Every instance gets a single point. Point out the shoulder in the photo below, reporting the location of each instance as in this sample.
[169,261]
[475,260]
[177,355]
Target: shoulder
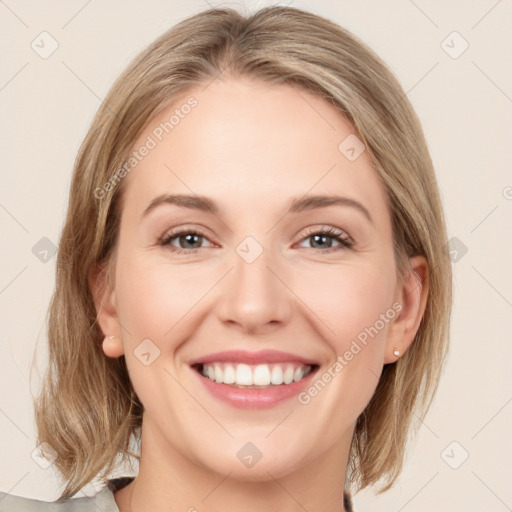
[103,500]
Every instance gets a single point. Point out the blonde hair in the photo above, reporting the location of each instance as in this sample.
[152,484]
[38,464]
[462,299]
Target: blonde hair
[87,409]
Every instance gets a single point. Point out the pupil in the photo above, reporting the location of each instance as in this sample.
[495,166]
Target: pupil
[189,238]
[319,237]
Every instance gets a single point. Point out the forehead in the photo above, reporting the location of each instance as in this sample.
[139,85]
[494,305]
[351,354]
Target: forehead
[248,144]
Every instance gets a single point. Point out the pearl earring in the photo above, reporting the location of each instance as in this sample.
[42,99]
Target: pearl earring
[396,352]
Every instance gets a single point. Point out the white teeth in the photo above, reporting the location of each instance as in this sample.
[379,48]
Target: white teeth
[243,375]
[288,375]
[229,374]
[261,376]
[277,375]
[258,375]
[299,373]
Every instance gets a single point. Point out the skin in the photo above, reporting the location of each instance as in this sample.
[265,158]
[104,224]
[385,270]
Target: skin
[252,147]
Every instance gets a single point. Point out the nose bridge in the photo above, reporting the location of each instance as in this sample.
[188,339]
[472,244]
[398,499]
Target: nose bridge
[255,295]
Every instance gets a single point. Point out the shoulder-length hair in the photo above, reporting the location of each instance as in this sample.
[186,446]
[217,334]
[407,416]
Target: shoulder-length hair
[87,409]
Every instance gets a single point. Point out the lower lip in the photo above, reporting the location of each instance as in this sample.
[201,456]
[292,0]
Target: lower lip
[251,398]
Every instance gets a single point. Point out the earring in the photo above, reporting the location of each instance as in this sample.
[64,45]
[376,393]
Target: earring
[108,340]
[112,346]
[396,352]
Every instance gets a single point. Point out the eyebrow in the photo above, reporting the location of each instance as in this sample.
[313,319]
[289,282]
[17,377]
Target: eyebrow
[297,205]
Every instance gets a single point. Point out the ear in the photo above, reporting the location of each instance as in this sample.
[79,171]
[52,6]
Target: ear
[104,296]
[412,295]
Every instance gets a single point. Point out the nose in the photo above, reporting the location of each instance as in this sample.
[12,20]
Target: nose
[255,296]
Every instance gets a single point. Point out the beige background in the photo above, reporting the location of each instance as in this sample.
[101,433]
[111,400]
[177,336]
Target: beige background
[465,105]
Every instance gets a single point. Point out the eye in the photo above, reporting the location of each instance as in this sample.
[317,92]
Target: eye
[324,236]
[190,239]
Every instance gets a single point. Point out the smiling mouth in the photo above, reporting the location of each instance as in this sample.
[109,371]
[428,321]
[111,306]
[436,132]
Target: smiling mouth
[258,376]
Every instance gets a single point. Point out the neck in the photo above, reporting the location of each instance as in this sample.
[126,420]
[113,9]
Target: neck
[168,481]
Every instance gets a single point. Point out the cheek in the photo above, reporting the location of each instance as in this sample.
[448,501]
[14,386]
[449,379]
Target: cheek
[339,306]
[158,301]
[353,302]
[355,306]
[155,299]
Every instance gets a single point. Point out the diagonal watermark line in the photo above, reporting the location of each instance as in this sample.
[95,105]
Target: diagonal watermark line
[81,80]
[13,279]
[298,92]
[280,423]
[312,187]
[14,218]
[491,80]
[76,14]
[300,300]
[199,403]
[14,76]
[199,300]
[493,287]
[93,502]
[486,14]
[221,220]
[212,6]
[122,327]
[287,492]
[14,424]
[424,14]
[503,407]
[509,508]
[116,320]
[15,485]
[217,486]
[492,211]
[405,94]
[406,503]
[410,410]
[417,83]
[13,13]
[215,77]
[9,345]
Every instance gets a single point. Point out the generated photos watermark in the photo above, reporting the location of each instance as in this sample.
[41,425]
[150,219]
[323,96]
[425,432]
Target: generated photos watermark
[157,135]
[355,348]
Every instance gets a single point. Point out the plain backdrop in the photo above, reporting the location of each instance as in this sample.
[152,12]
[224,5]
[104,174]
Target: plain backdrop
[460,459]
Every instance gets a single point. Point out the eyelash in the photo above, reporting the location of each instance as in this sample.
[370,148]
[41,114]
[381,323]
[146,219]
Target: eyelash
[338,235]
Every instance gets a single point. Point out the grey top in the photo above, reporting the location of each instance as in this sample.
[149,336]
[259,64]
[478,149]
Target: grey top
[103,501]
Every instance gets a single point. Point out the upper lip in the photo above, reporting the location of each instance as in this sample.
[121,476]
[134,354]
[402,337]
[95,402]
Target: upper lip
[260,357]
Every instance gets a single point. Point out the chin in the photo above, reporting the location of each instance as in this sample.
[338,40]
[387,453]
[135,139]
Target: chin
[259,460]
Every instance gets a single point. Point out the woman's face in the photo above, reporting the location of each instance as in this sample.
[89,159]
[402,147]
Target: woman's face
[258,294]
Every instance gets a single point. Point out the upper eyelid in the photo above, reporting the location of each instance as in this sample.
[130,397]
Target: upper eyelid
[175,232]
[310,230]
[327,229]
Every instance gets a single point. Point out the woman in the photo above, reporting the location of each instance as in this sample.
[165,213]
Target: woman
[274,363]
